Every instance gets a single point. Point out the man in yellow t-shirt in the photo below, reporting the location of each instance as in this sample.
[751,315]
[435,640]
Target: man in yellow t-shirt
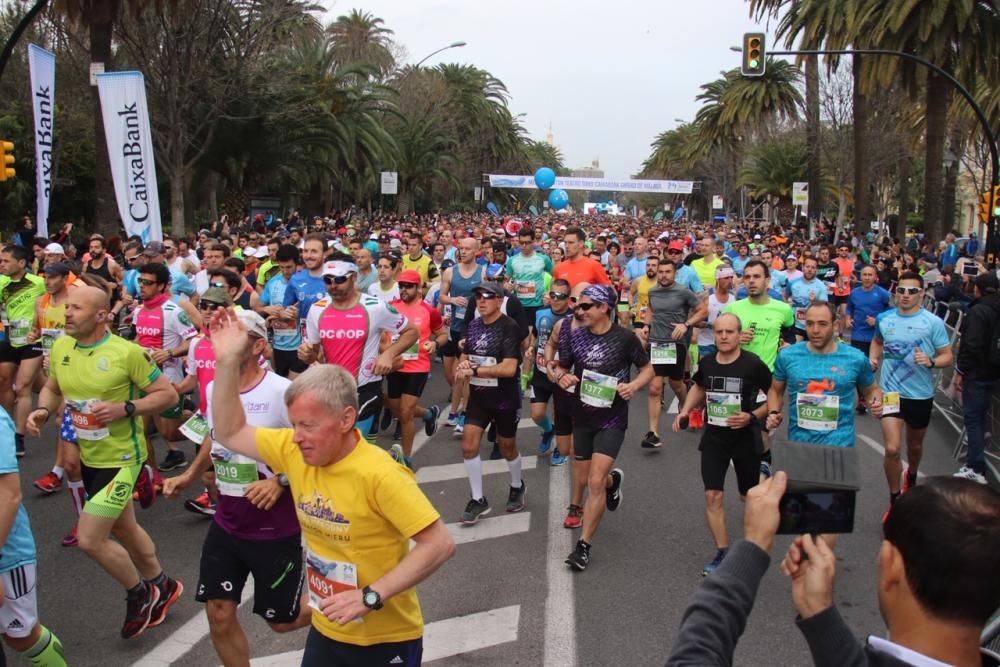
[640,292]
[705,266]
[417,260]
[358,510]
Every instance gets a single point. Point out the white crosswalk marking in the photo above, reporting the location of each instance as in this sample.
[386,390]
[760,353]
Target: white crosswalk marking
[449,471]
[489,528]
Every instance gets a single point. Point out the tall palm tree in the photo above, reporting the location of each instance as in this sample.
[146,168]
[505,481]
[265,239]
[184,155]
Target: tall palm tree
[360,37]
[772,169]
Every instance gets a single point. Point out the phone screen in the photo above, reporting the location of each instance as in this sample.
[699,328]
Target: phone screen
[970,270]
[816,512]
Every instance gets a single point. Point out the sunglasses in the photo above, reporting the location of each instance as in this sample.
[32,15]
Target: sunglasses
[485,296]
[334,280]
[673,252]
[145,282]
[209,305]
[406,285]
[221,284]
[585,306]
[558,296]
[131,259]
[909,290]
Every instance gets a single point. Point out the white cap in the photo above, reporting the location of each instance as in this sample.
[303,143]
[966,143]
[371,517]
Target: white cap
[253,322]
[395,243]
[54,249]
[262,252]
[338,268]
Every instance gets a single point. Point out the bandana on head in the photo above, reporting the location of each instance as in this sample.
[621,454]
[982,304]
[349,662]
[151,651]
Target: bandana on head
[602,294]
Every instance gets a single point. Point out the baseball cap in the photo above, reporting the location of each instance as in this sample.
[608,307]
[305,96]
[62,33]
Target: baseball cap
[988,283]
[56,269]
[153,248]
[675,245]
[756,236]
[724,272]
[54,249]
[395,243]
[490,288]
[338,268]
[253,322]
[217,295]
[410,276]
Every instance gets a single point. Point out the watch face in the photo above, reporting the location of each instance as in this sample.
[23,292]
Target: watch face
[371,598]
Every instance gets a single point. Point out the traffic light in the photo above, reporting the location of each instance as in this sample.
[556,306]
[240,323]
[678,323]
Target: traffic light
[984,207]
[753,54]
[6,161]
[996,201]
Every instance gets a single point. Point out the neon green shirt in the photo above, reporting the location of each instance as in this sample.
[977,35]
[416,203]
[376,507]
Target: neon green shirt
[18,309]
[112,370]
[767,320]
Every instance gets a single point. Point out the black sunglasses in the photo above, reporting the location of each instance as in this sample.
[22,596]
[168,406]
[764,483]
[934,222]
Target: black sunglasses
[406,285]
[585,306]
[558,296]
[208,305]
[146,282]
[221,284]
[335,280]
[131,259]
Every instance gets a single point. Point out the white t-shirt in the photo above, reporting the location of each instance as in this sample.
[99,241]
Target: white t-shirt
[705,334]
[376,290]
[201,281]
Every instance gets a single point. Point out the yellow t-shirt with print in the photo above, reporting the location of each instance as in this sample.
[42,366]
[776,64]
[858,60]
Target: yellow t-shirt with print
[424,266]
[361,511]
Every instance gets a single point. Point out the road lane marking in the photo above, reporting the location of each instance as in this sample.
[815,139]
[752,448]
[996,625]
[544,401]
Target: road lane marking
[442,639]
[449,471]
[560,607]
[881,450]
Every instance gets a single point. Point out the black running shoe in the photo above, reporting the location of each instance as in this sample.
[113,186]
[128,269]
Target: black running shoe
[614,494]
[579,559]
[431,420]
[474,510]
[515,501]
[173,460]
[170,592]
[651,441]
[139,611]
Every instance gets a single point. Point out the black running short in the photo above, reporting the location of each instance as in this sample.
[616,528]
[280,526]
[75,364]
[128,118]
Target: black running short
[450,349]
[541,387]
[411,384]
[369,400]
[839,300]
[590,441]
[321,651]
[15,355]
[276,566]
[286,361]
[562,409]
[673,372]
[915,412]
[863,345]
[530,312]
[477,414]
[715,458]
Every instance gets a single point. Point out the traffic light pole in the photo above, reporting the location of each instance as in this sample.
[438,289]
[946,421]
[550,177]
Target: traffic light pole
[18,31]
[992,237]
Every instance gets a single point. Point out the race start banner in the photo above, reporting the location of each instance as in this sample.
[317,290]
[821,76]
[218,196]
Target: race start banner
[130,149]
[602,184]
[42,71]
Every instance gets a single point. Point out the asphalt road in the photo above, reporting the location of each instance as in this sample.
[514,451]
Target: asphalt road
[506,597]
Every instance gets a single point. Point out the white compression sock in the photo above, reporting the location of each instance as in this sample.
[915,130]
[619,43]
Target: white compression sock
[76,492]
[58,471]
[474,469]
[515,472]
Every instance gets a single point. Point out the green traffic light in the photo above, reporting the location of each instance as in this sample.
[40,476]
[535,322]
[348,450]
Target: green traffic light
[996,212]
[754,64]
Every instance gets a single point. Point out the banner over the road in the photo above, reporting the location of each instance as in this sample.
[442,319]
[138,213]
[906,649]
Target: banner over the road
[604,184]
[42,71]
[130,149]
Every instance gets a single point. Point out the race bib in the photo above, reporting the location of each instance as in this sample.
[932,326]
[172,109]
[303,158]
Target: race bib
[817,412]
[326,577]
[484,362]
[800,314]
[663,354]
[458,312]
[85,424]
[195,429]
[598,390]
[285,331]
[234,474]
[411,353]
[525,289]
[17,331]
[890,403]
[49,337]
[720,406]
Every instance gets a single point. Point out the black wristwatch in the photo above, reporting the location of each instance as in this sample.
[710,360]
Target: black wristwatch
[282,480]
[371,599]
[129,408]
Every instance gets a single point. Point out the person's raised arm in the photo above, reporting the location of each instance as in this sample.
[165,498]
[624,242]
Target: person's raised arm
[229,341]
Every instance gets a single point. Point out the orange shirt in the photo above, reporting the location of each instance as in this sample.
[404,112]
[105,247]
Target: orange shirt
[845,272]
[583,269]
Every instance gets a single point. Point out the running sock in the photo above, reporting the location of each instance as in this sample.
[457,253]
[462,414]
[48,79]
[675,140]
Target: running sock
[911,477]
[19,438]
[893,497]
[138,590]
[47,651]
[58,471]
[515,472]
[159,580]
[474,469]
[78,494]
[544,424]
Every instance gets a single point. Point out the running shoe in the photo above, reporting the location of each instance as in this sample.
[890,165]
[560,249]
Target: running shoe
[515,501]
[386,419]
[765,470]
[716,562]
[474,510]
[49,483]
[696,420]
[574,517]
[579,559]
[396,452]
[651,441]
[173,460]
[557,458]
[965,472]
[431,420]
[170,592]
[460,424]
[614,494]
[144,491]
[139,610]
[398,433]
[70,539]
[495,454]
[203,505]
[545,444]
[452,420]
[908,481]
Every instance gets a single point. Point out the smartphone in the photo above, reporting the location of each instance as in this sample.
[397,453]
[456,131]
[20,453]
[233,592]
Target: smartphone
[969,269]
[815,512]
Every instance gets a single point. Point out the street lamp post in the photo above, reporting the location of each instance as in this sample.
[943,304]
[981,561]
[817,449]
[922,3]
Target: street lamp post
[453,45]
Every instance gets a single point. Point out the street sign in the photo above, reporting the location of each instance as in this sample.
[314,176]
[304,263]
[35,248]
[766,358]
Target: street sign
[478,193]
[800,194]
[390,182]
[717,202]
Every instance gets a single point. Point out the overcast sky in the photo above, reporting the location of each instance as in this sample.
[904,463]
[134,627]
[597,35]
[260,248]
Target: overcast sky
[608,75]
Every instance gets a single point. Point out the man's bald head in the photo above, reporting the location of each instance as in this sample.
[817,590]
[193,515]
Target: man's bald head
[728,319]
[92,297]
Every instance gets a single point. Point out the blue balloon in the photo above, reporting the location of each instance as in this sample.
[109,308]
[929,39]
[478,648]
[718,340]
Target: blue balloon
[545,178]
[558,199]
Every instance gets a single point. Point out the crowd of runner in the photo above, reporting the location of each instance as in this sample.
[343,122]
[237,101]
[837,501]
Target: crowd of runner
[280,348]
